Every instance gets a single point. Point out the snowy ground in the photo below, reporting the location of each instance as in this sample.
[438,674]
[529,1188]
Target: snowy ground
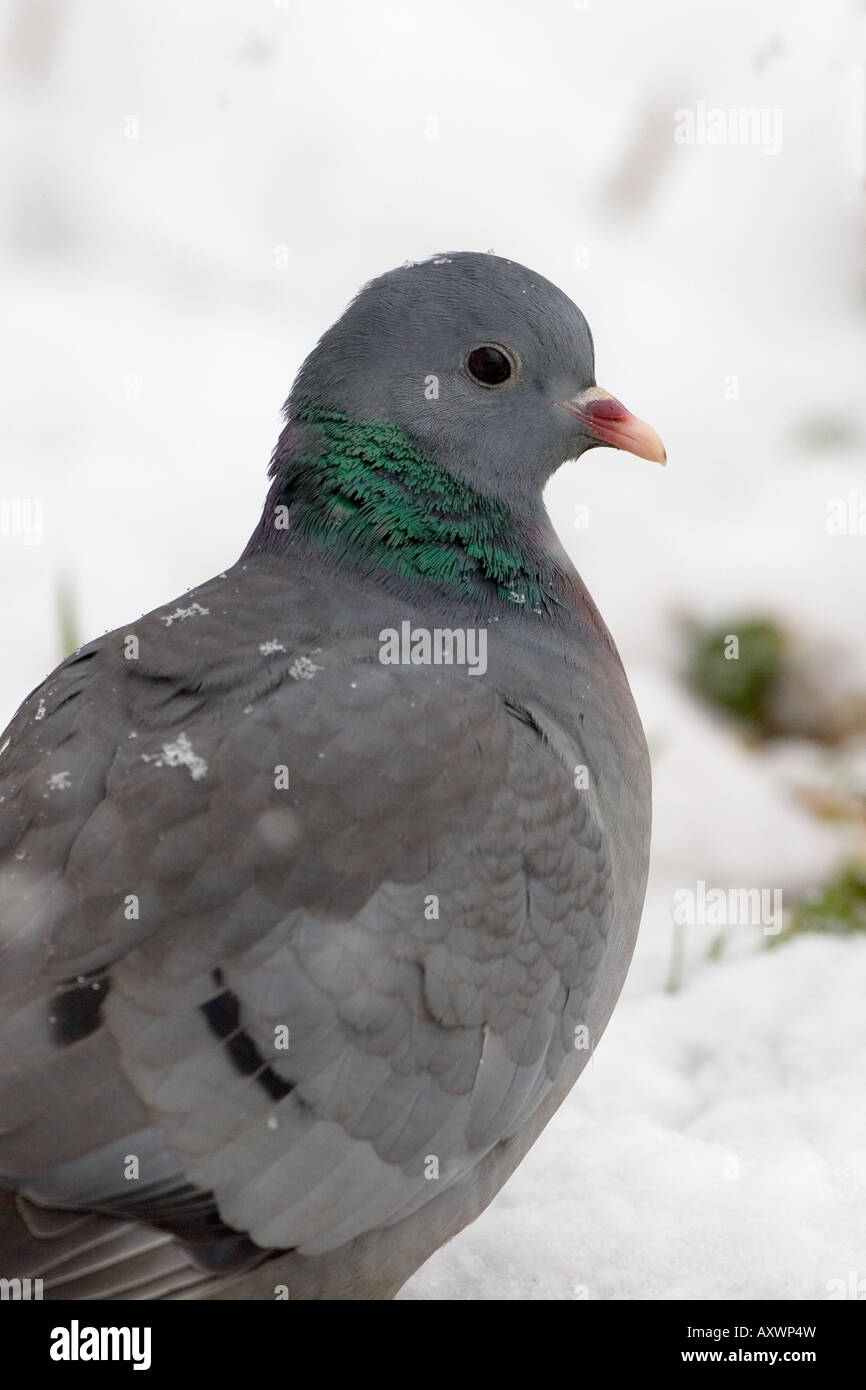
[190,194]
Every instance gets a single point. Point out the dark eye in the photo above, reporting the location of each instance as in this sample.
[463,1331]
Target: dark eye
[489,365]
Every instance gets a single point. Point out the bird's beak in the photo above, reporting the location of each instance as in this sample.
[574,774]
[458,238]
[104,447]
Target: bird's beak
[608,421]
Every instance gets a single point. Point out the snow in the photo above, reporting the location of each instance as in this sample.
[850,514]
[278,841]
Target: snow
[303,668]
[713,1148]
[193,610]
[192,194]
[179,753]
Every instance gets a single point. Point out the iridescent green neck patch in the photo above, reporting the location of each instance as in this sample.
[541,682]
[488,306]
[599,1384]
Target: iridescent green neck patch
[368,490]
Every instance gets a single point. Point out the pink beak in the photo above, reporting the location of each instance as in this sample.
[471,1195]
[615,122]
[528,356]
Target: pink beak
[608,421]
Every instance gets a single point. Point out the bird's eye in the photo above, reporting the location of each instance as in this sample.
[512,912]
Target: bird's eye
[489,365]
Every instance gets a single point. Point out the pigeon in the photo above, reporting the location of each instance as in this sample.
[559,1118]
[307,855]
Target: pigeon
[319,883]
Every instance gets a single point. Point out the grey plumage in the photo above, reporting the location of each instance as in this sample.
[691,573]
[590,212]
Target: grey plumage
[168,905]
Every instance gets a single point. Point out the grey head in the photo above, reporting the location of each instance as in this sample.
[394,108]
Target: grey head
[483,363]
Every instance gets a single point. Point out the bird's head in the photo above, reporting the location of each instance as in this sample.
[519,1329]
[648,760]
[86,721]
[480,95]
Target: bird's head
[486,365]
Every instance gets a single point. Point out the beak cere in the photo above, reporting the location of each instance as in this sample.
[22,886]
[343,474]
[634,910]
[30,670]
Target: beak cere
[608,422]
